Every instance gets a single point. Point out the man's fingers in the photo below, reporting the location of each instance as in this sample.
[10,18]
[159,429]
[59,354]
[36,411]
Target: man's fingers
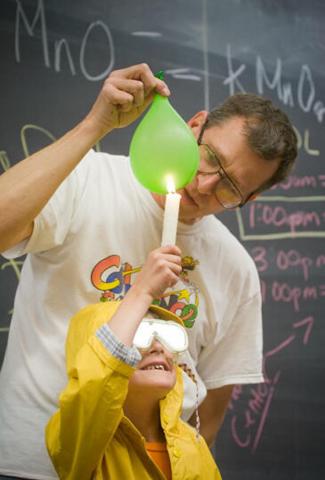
[125,95]
[162,88]
[134,88]
[115,95]
[143,73]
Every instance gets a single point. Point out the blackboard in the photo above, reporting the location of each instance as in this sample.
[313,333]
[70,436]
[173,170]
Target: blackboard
[54,56]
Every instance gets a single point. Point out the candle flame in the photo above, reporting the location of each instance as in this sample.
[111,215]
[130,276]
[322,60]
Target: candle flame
[170,184]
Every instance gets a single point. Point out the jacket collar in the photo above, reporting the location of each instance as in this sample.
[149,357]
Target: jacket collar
[171,405]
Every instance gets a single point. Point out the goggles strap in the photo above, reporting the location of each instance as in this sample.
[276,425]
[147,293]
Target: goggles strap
[190,373]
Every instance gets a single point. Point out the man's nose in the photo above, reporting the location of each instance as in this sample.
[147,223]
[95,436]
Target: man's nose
[206,184]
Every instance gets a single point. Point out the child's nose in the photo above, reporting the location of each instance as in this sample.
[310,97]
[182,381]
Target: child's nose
[157,347]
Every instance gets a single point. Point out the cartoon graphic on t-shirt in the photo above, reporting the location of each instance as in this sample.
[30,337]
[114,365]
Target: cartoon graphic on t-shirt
[113,278]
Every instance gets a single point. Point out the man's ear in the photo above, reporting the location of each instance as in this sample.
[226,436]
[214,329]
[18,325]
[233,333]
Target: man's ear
[197,121]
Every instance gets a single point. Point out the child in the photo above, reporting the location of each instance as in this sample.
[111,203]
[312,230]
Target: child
[119,416]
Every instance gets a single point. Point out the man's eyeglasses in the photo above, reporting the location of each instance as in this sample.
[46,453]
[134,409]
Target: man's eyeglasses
[228,195]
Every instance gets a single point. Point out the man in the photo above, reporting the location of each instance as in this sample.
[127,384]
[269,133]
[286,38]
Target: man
[88,226]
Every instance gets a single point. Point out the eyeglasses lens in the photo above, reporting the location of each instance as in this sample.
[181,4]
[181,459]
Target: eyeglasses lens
[226,193]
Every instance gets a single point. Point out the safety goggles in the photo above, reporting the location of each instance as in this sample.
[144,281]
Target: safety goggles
[170,334]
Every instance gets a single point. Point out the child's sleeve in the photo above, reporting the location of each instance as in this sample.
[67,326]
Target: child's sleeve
[90,408]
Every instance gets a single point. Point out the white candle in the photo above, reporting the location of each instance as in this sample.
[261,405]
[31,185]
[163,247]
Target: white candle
[170,214]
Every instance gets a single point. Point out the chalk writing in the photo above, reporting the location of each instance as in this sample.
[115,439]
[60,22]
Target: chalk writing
[259,255]
[284,260]
[15,266]
[311,182]
[293,258]
[288,260]
[255,415]
[303,94]
[279,216]
[62,45]
[183,74]
[307,323]
[58,45]
[4,160]
[101,25]
[248,422]
[146,34]
[40,15]
[300,217]
[283,292]
[31,127]
[303,142]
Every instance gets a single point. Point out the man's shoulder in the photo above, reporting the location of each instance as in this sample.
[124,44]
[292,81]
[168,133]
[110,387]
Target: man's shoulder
[101,173]
[97,159]
[225,253]
[219,232]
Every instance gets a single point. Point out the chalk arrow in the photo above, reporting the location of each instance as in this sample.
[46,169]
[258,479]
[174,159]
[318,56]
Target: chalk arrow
[309,323]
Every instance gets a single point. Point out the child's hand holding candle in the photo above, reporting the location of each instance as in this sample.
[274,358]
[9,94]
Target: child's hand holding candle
[170,214]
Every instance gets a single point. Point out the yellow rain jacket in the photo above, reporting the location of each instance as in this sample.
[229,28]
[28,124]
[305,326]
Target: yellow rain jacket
[89,437]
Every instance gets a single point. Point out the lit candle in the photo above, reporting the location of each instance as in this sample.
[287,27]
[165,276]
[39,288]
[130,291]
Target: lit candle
[170,214]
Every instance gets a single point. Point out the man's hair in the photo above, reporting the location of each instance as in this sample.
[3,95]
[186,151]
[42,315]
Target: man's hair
[268,131]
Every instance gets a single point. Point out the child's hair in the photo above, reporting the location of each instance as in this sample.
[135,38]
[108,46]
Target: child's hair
[192,376]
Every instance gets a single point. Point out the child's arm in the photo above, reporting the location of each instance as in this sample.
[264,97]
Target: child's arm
[160,271]
[91,406]
[90,410]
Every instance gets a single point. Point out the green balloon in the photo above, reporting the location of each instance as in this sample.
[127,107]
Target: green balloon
[163,146]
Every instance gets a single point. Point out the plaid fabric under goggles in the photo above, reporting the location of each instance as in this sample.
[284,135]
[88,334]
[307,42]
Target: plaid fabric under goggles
[170,334]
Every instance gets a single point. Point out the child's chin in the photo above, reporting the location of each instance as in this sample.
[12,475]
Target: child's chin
[154,379]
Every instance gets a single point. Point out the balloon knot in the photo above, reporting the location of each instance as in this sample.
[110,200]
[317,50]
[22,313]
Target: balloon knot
[160,75]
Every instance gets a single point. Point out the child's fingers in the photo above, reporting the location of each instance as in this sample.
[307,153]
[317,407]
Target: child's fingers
[175,268]
[171,249]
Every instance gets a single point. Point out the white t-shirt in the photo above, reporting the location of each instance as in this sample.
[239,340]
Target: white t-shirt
[88,244]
